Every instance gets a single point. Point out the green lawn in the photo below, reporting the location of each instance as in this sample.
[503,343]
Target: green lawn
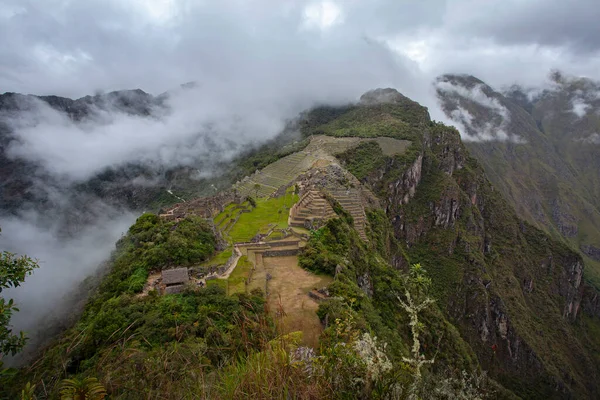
[230,212]
[222,216]
[267,214]
[220,258]
[237,279]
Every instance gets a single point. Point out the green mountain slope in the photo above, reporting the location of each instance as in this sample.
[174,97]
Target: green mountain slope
[509,299]
[498,276]
[547,165]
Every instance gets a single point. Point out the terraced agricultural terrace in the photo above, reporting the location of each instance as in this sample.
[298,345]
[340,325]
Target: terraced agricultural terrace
[267,232]
[265,182]
[320,152]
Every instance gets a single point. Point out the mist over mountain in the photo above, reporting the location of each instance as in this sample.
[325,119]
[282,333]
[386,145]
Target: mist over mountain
[320,153]
[420,197]
[538,146]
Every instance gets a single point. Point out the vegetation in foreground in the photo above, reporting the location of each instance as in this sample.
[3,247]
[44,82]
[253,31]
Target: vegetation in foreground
[205,344]
[387,333]
[13,271]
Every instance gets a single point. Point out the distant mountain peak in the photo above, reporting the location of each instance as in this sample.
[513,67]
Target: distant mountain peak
[379,96]
[466,80]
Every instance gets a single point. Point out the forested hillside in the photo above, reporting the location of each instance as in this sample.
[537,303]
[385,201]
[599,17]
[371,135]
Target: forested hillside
[546,160]
[375,233]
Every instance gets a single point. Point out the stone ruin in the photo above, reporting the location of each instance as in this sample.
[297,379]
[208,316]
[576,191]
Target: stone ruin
[205,207]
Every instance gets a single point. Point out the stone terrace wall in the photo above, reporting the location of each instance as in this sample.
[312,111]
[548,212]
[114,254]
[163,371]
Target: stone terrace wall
[281,253]
[205,207]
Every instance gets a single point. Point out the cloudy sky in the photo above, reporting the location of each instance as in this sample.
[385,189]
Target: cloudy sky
[257,63]
[75,47]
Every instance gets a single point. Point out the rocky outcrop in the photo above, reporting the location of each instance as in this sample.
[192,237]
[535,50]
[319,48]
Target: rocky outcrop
[206,207]
[382,96]
[590,302]
[402,190]
[442,204]
[449,153]
[501,343]
[365,284]
[446,210]
[570,288]
[399,191]
[591,251]
[566,223]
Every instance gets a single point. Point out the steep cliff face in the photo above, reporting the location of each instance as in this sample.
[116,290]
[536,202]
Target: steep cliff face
[515,294]
[498,274]
[540,150]
[405,188]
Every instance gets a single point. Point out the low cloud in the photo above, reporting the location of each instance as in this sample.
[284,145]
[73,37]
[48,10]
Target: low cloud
[197,128]
[472,128]
[580,107]
[47,298]
[485,132]
[220,115]
[594,138]
[477,95]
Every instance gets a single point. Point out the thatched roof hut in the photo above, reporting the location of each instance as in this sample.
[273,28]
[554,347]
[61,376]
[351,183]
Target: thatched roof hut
[175,276]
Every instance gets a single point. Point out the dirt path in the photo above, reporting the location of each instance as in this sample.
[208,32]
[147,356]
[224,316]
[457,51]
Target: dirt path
[238,254]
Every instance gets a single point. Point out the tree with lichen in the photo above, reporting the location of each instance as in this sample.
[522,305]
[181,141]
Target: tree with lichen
[415,300]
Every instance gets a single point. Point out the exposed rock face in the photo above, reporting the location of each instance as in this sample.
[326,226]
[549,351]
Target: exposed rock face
[450,155]
[591,251]
[400,191]
[566,223]
[591,301]
[550,176]
[442,203]
[571,290]
[446,210]
[364,283]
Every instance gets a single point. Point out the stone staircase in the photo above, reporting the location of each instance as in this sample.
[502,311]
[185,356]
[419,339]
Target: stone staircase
[350,201]
[311,207]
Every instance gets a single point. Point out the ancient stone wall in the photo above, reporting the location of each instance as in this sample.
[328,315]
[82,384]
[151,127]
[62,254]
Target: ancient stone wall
[205,207]
[281,253]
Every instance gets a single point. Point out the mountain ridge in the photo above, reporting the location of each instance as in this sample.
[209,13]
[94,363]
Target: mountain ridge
[548,177]
[510,299]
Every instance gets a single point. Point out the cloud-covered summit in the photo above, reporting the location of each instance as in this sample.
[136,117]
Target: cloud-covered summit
[480,113]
